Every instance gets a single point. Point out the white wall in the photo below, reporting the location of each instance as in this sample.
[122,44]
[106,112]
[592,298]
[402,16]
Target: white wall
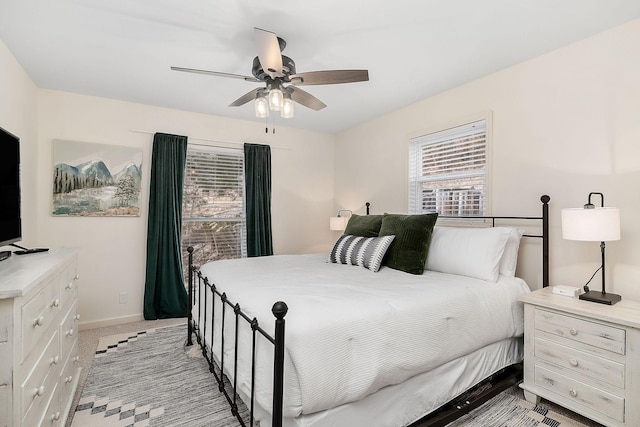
[18,115]
[564,124]
[112,250]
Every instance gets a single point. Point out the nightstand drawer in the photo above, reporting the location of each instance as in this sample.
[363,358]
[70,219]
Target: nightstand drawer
[596,400]
[586,364]
[596,334]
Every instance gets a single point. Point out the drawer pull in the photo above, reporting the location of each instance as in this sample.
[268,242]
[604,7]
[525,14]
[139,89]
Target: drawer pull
[76,359]
[68,379]
[37,392]
[77,317]
[55,417]
[55,360]
[39,321]
[76,277]
[69,333]
[573,331]
[55,303]
[573,392]
[69,286]
[574,362]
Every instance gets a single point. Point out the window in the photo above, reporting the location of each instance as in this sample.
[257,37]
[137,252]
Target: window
[448,171]
[213,212]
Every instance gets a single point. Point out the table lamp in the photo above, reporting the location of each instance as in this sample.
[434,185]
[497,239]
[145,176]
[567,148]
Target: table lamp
[593,224]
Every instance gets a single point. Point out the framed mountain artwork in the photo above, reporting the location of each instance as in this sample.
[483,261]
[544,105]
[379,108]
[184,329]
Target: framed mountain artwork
[96,179]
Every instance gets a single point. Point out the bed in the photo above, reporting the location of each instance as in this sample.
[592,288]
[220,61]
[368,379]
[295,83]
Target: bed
[367,341]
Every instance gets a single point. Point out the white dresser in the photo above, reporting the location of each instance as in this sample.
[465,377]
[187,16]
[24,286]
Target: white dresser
[584,356]
[39,367]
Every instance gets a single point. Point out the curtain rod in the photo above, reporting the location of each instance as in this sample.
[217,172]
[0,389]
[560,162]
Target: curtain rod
[209,140]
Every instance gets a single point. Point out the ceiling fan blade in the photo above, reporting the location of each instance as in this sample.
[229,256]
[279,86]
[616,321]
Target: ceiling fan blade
[329,77]
[216,73]
[249,96]
[305,98]
[268,52]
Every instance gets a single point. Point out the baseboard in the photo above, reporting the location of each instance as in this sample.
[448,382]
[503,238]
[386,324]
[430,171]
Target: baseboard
[110,322]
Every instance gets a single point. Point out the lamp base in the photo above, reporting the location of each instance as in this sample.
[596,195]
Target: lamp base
[600,297]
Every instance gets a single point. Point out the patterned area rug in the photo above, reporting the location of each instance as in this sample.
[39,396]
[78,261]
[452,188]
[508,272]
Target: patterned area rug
[507,410]
[149,379]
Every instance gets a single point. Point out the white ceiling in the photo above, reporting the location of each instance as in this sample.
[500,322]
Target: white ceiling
[413,49]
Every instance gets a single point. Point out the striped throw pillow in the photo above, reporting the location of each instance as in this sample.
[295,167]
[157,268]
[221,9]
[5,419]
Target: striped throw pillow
[366,252]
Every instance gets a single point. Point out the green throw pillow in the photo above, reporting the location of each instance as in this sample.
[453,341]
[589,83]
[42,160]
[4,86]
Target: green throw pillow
[409,249]
[365,226]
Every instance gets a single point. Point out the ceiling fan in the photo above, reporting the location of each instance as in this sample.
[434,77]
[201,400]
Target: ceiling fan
[278,73]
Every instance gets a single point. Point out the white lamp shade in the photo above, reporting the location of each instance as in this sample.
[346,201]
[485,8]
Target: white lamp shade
[593,225]
[338,223]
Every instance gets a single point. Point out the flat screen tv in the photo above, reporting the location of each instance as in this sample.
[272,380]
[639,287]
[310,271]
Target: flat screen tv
[10,223]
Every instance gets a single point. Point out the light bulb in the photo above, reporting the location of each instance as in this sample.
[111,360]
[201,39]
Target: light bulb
[275,99]
[287,108]
[262,107]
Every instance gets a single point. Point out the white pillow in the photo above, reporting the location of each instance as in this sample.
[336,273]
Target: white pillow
[509,259]
[473,252]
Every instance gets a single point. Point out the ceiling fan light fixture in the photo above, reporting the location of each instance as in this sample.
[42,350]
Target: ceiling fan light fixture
[275,99]
[262,107]
[287,108]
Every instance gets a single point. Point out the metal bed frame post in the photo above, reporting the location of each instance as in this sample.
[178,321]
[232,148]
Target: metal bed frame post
[545,240]
[191,301]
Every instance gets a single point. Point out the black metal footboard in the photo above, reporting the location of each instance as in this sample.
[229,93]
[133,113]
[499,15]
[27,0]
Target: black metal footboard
[208,292]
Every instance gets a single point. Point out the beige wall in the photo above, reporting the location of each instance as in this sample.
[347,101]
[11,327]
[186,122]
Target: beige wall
[564,124]
[18,101]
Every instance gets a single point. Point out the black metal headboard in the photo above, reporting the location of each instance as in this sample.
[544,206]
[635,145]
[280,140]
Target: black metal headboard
[544,236]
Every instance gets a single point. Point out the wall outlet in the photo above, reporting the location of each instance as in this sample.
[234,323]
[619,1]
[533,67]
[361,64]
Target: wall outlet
[124,297]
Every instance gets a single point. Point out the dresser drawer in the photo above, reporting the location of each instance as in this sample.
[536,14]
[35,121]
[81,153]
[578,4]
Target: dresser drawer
[596,334]
[69,373]
[39,416]
[38,315]
[38,386]
[590,397]
[68,285]
[68,329]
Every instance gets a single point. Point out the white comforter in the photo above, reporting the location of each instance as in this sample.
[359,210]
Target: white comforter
[350,332]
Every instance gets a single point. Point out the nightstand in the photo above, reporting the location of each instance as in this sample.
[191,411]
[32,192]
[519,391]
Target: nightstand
[583,356]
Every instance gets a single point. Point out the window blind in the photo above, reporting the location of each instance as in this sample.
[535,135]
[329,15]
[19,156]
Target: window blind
[448,171]
[213,208]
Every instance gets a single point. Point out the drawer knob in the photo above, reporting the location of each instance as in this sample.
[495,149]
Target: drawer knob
[573,392]
[574,362]
[55,417]
[39,321]
[76,359]
[76,277]
[573,331]
[55,360]
[38,391]
[69,286]
[77,317]
[69,333]
[68,379]
[55,303]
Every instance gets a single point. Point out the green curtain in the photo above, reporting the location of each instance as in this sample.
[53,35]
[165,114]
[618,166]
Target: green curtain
[257,172]
[164,291]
